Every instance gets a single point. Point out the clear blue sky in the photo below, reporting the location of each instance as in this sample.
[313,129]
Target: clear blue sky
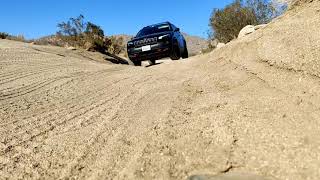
[36,18]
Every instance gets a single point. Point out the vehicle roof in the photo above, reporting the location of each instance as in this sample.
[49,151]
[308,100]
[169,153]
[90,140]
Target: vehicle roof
[160,24]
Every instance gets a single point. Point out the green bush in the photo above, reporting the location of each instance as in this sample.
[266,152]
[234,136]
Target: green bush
[3,35]
[227,23]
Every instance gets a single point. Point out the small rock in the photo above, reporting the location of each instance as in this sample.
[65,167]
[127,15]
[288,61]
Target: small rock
[198,177]
[214,43]
[220,45]
[229,176]
[71,48]
[246,30]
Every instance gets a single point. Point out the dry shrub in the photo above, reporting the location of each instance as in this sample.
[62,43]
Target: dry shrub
[17,38]
[49,40]
[116,44]
[20,38]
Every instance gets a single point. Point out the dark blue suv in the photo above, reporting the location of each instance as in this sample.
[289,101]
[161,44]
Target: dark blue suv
[157,41]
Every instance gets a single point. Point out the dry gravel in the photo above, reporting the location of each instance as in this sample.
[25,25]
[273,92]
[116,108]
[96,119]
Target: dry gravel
[241,109]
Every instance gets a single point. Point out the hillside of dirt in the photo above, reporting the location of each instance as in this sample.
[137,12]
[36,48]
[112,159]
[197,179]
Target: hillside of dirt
[195,44]
[249,110]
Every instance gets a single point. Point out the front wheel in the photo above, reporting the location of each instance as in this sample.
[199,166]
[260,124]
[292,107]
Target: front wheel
[152,62]
[185,54]
[137,63]
[175,54]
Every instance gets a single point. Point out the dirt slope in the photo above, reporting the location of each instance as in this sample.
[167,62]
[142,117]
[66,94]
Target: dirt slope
[250,107]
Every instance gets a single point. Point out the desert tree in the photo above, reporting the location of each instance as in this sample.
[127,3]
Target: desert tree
[263,10]
[3,35]
[93,29]
[72,30]
[266,10]
[87,35]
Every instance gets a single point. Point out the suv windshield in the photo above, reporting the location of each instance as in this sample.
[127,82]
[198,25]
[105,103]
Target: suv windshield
[154,29]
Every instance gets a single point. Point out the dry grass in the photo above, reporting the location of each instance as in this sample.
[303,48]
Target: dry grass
[20,38]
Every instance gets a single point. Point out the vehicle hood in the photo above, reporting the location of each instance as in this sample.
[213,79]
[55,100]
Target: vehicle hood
[150,36]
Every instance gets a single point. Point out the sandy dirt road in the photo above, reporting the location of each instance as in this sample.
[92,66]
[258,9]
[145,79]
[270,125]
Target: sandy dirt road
[234,110]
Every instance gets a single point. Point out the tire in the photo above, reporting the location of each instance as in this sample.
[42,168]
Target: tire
[137,63]
[152,62]
[185,54]
[175,54]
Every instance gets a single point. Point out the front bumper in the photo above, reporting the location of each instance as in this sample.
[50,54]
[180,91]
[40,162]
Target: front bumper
[158,51]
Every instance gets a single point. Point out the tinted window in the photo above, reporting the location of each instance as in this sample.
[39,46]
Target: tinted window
[154,29]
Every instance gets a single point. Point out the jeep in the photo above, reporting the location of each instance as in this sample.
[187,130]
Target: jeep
[156,42]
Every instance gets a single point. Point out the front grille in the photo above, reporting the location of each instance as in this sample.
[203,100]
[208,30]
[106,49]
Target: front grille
[146,41]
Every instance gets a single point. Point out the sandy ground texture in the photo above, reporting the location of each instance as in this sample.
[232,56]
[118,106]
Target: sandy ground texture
[248,111]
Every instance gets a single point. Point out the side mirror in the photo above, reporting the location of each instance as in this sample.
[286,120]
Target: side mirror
[177,30]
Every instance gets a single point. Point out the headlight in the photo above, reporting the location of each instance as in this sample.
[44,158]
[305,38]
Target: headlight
[130,43]
[164,36]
